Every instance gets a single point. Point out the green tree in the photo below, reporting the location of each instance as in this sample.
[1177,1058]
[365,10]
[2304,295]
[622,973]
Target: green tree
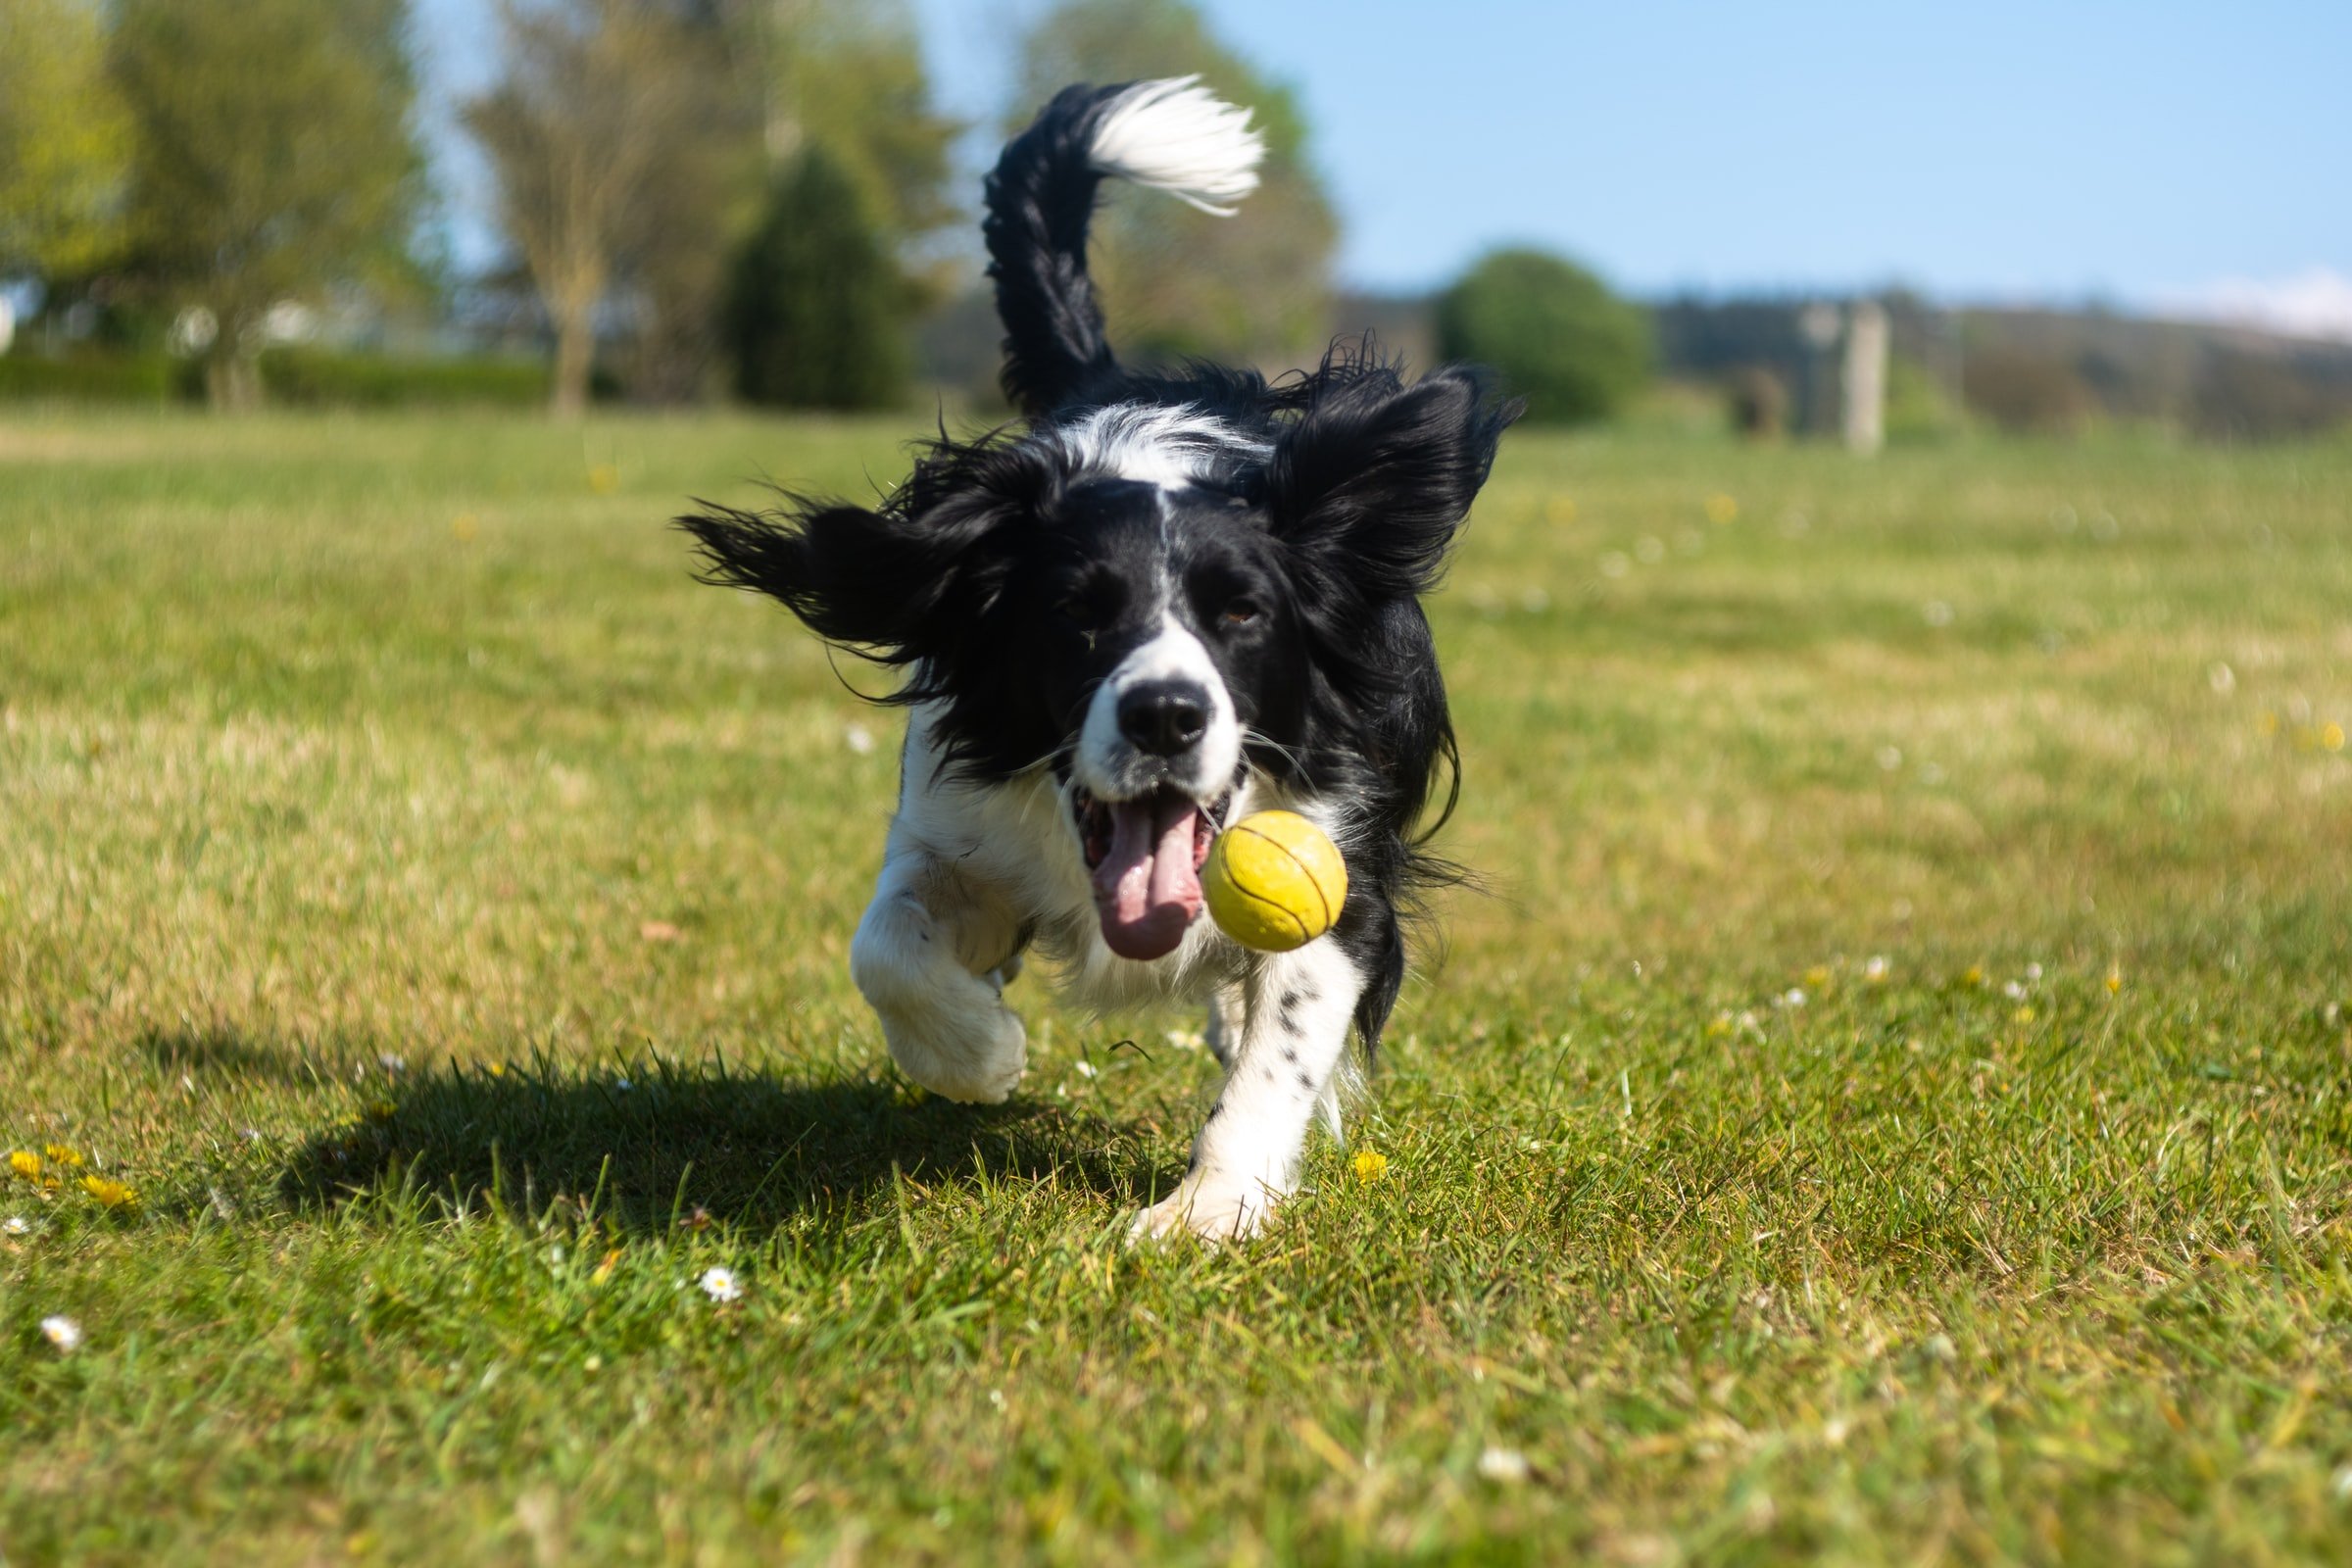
[847,75]
[816,313]
[65,138]
[275,158]
[1255,286]
[1557,336]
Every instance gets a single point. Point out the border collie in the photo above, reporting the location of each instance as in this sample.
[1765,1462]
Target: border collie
[1171,599]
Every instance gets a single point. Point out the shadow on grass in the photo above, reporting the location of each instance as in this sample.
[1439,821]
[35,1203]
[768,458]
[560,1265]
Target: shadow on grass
[742,1148]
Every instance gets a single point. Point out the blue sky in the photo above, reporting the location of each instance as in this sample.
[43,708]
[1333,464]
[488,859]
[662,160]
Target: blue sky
[2151,154]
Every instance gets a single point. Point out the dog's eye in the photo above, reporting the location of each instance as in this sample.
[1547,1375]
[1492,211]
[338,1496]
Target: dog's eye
[1241,613]
[1091,608]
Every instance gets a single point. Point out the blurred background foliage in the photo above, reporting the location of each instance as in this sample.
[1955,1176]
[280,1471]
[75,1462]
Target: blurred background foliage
[815,307]
[1554,333]
[762,199]
[65,139]
[271,156]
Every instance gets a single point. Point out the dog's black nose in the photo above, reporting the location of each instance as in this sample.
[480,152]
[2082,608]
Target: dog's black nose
[1163,716]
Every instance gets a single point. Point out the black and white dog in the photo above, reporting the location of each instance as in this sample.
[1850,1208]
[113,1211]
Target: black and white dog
[1173,600]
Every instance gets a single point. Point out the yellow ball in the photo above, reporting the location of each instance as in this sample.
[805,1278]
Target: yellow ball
[1274,881]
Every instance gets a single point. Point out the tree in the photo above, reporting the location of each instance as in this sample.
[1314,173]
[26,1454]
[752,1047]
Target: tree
[65,138]
[817,313]
[847,75]
[1553,331]
[609,135]
[275,157]
[1255,286]
[678,238]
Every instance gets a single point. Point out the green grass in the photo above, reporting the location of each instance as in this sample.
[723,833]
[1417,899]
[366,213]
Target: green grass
[436,905]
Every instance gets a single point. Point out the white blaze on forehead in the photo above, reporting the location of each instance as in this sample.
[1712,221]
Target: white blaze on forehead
[1162,446]
[1107,763]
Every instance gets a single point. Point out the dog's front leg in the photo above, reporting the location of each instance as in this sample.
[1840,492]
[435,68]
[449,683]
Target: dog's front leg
[932,957]
[1281,1064]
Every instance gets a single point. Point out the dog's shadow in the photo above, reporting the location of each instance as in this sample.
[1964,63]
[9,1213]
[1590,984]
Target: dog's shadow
[681,1144]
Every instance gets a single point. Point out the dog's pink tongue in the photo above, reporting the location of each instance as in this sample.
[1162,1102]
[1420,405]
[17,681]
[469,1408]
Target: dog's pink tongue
[1147,888]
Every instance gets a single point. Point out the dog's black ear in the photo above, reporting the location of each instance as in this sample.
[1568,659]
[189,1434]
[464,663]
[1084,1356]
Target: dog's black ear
[1378,474]
[873,580]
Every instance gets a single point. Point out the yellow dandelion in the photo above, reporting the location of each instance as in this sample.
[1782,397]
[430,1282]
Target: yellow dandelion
[496,1069]
[1974,975]
[2266,723]
[464,528]
[2115,981]
[61,1153]
[113,1194]
[26,1164]
[1818,976]
[382,1110]
[1370,1165]
[1719,1026]
[1560,511]
[2023,1015]
[604,478]
[1722,508]
[2332,736]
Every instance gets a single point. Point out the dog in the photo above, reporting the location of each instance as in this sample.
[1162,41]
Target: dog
[1171,599]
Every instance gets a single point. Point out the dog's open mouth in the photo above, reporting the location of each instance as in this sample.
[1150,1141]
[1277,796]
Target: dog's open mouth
[1146,855]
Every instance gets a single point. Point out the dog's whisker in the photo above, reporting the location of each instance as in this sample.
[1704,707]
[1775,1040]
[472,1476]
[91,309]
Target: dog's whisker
[1253,736]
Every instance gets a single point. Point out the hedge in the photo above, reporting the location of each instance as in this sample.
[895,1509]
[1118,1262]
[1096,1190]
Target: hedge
[297,377]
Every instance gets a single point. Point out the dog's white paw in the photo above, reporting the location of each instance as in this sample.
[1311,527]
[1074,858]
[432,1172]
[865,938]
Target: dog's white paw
[1214,1211]
[975,1056]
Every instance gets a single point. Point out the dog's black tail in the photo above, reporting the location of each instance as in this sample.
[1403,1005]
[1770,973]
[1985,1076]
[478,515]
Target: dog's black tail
[1173,134]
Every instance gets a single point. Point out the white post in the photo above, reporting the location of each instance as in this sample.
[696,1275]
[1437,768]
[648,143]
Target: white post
[1865,400]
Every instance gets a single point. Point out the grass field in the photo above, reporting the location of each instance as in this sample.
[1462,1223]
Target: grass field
[1890,1103]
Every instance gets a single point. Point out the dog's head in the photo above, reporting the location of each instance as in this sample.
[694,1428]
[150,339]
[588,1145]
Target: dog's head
[1147,598]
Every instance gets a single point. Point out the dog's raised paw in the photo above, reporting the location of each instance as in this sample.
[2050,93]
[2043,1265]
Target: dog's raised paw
[977,1061]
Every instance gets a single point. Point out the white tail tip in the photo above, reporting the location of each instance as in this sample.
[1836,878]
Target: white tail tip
[1176,136]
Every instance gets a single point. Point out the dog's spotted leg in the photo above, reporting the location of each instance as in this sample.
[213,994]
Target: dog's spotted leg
[1282,1062]
[932,957]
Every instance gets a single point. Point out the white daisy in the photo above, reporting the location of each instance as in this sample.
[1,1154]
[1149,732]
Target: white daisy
[720,1284]
[61,1332]
[1503,1464]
